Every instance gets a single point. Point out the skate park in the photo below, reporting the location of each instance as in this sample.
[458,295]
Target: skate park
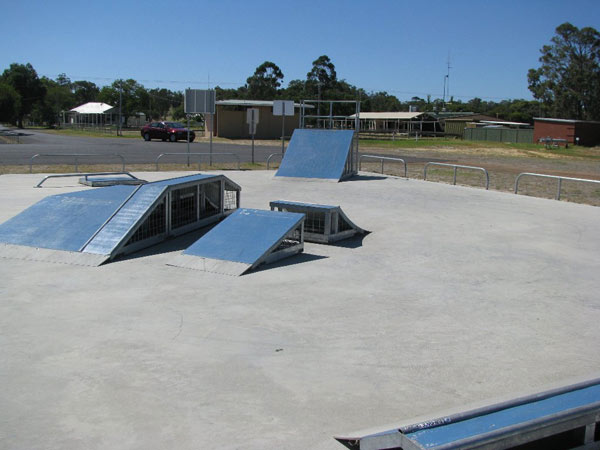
[457,298]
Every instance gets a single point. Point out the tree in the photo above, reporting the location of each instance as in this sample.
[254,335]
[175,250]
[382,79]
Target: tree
[568,80]
[265,82]
[58,98]
[84,92]
[321,78]
[129,93]
[24,80]
[9,103]
[323,72]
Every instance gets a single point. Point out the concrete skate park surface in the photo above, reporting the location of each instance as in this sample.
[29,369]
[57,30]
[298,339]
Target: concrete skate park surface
[457,296]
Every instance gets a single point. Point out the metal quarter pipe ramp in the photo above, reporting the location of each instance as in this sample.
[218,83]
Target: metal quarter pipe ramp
[93,226]
[244,241]
[560,418]
[324,224]
[323,154]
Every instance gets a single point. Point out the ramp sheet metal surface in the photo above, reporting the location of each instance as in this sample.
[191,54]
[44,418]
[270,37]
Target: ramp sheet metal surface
[316,154]
[245,236]
[445,434]
[124,220]
[64,221]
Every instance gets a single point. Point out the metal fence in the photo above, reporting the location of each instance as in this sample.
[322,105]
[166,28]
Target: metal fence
[507,135]
[455,167]
[382,159]
[555,177]
[200,155]
[76,157]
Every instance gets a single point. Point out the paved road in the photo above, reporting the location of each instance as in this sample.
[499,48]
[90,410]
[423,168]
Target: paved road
[134,151]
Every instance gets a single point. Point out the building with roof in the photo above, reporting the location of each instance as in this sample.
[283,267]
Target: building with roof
[566,131]
[455,125]
[230,120]
[98,114]
[398,122]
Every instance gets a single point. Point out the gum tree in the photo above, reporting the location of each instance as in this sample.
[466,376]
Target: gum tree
[568,81]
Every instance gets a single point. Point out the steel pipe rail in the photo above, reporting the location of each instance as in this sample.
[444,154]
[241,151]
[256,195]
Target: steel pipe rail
[457,166]
[85,175]
[76,156]
[271,156]
[211,155]
[556,177]
[383,159]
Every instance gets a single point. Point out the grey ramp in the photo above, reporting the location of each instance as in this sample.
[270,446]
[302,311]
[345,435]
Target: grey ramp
[317,154]
[98,223]
[125,219]
[324,224]
[64,221]
[243,241]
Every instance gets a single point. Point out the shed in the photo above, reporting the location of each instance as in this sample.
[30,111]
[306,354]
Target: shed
[98,114]
[92,114]
[397,122]
[230,120]
[455,126]
[580,132]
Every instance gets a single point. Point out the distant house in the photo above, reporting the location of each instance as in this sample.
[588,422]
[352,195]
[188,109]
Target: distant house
[566,131]
[97,114]
[398,122]
[455,125]
[230,120]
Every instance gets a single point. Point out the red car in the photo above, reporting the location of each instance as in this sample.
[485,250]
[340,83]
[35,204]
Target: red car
[172,131]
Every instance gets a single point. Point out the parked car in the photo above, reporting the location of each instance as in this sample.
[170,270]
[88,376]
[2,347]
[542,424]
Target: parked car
[172,131]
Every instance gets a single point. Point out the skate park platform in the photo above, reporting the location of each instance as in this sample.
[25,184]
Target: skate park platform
[316,153]
[89,227]
[245,240]
[323,224]
[458,297]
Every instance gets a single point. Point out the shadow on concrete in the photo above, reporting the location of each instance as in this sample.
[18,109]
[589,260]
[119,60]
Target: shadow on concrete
[353,242]
[366,178]
[292,260]
[172,244]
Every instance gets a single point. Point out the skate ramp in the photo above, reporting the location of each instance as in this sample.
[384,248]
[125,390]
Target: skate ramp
[322,154]
[244,241]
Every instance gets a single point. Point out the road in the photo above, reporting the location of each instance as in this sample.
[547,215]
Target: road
[134,151]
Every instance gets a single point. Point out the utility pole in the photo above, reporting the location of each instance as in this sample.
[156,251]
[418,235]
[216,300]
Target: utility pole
[120,131]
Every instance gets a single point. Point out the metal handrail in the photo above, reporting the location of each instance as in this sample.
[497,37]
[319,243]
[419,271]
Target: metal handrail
[198,154]
[556,177]
[383,159]
[270,156]
[457,166]
[76,155]
[86,175]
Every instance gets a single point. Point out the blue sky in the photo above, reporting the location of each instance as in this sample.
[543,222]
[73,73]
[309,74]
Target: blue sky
[401,47]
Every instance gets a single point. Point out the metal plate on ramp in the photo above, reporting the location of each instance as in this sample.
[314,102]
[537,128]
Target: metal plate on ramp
[64,221]
[242,241]
[316,154]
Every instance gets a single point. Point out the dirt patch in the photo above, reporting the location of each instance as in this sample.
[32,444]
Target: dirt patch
[503,166]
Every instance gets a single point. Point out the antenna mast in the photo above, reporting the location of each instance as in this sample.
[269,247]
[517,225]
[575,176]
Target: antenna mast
[447,81]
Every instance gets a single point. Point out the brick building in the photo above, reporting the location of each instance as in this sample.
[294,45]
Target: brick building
[580,132]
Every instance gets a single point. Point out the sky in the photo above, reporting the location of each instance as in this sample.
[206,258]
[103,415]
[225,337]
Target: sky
[401,47]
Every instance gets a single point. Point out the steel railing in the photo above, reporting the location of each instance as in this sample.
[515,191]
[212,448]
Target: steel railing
[76,156]
[556,177]
[457,166]
[271,156]
[383,159]
[85,175]
[211,155]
